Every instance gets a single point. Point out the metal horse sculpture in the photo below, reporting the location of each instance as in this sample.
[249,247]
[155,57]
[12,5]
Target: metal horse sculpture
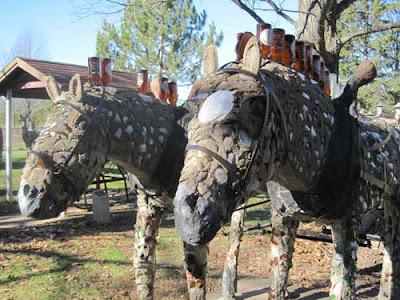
[86,128]
[258,124]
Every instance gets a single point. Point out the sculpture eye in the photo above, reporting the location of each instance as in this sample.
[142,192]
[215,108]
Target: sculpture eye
[216,107]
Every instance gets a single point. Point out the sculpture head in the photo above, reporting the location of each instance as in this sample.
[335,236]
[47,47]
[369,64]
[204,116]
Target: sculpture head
[67,154]
[222,136]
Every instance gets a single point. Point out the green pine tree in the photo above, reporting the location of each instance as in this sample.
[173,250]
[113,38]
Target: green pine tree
[383,48]
[167,38]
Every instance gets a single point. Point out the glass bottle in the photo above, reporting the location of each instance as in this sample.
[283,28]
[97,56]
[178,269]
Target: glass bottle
[264,37]
[278,40]
[298,63]
[289,50]
[321,81]
[164,89]
[316,68]
[106,72]
[242,40]
[94,70]
[327,85]
[173,93]
[308,64]
[142,81]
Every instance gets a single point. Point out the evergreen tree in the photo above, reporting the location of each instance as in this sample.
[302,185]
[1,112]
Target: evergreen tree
[165,37]
[383,48]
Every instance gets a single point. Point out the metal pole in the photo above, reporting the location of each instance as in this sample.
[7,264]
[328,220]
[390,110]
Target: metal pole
[9,146]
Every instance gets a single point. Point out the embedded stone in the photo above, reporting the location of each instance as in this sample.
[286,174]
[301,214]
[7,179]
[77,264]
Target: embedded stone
[125,120]
[82,125]
[129,129]
[118,133]
[117,118]
[216,107]
[109,114]
[221,176]
[163,130]
[142,148]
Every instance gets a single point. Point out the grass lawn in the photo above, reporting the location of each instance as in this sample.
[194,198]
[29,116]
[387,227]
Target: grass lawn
[19,155]
[78,259]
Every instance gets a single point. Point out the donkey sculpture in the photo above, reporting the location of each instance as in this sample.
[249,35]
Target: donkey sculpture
[86,128]
[258,124]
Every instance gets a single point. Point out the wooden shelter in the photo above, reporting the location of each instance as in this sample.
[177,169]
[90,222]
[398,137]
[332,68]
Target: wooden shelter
[25,78]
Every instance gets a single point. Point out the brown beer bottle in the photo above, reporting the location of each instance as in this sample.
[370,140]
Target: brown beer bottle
[308,64]
[316,68]
[327,85]
[298,63]
[164,89]
[278,39]
[94,70]
[173,93]
[321,81]
[264,37]
[106,72]
[289,50]
[142,81]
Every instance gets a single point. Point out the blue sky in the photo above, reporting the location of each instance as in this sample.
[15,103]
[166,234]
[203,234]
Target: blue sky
[72,40]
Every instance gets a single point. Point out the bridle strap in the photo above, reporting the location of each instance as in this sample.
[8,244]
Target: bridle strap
[232,170]
[57,168]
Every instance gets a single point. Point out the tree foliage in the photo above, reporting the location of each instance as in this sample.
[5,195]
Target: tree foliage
[383,48]
[165,37]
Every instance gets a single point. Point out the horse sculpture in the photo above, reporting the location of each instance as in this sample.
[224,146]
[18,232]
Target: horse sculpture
[89,126]
[258,124]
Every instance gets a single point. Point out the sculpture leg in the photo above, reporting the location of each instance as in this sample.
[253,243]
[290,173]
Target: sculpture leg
[284,227]
[229,277]
[146,231]
[344,259]
[196,270]
[390,279]
[282,247]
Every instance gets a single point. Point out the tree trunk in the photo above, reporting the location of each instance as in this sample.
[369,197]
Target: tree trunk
[317,24]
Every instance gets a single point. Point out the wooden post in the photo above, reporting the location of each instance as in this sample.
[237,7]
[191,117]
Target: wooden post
[9,145]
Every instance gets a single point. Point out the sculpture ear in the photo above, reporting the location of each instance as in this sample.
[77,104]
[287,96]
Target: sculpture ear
[252,56]
[210,61]
[52,88]
[76,87]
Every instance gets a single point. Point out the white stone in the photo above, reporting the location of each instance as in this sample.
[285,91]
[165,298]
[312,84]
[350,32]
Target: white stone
[109,114]
[142,148]
[118,133]
[117,118]
[313,133]
[125,120]
[216,107]
[305,108]
[221,176]
[163,130]
[161,139]
[244,138]
[305,95]
[129,129]
[301,75]
[307,128]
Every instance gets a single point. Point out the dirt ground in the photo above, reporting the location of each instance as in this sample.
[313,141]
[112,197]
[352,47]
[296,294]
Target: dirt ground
[75,239]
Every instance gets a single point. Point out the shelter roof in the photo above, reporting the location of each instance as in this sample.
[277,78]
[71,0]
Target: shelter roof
[25,77]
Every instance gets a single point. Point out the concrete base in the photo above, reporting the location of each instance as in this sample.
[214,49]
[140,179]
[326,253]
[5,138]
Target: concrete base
[101,207]
[255,288]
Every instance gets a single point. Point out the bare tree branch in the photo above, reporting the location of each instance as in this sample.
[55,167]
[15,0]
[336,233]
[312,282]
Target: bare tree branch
[280,12]
[347,37]
[248,10]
